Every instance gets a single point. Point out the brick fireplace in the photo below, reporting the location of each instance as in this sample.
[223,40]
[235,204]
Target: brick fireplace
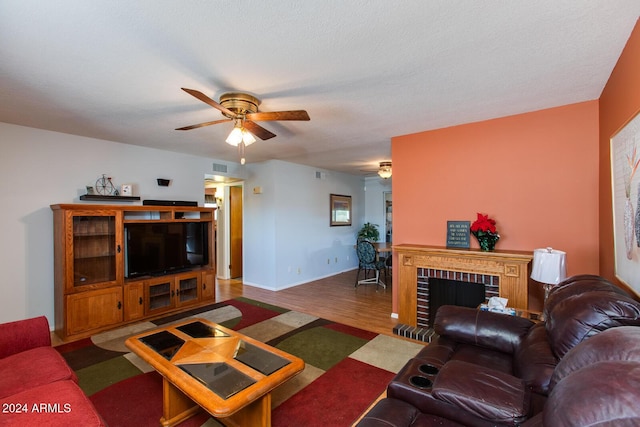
[504,274]
[426,310]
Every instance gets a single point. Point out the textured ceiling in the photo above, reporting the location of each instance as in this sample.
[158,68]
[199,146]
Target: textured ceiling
[365,70]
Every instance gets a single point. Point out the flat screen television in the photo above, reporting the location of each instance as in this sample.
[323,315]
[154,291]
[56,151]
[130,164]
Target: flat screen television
[154,249]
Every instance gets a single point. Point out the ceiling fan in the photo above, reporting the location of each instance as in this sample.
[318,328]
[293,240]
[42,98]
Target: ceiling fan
[384,170]
[242,109]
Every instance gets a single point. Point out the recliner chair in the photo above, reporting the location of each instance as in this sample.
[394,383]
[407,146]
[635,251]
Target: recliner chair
[493,369]
[596,383]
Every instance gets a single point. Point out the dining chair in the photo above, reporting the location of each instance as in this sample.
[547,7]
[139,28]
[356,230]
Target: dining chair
[367,261]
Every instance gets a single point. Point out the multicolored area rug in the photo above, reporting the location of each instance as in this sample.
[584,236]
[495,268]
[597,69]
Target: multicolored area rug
[346,368]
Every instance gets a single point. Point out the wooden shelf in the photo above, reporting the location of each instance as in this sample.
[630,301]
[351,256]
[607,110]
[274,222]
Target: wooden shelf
[91,293]
[96,197]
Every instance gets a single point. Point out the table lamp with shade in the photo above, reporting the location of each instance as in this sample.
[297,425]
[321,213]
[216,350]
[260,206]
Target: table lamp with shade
[549,268]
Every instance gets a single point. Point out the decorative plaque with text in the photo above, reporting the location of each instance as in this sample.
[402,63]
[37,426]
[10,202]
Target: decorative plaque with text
[458,234]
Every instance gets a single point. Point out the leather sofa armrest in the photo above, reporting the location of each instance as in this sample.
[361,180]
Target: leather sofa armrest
[534,361]
[486,393]
[494,331]
[22,335]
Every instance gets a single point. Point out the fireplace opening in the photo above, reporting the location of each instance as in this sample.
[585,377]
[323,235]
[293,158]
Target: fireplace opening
[453,292]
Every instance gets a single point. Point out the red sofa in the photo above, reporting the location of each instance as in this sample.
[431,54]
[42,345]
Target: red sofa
[37,387]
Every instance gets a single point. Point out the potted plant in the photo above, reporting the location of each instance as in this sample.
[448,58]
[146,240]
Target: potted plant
[484,229]
[369,232]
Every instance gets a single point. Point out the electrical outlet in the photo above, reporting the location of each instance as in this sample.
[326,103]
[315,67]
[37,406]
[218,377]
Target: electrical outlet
[336,259]
[347,257]
[299,270]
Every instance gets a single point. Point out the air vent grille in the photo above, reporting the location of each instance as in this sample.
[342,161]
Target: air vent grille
[217,167]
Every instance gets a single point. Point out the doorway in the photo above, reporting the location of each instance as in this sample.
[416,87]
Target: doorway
[388,217]
[226,195]
[235,232]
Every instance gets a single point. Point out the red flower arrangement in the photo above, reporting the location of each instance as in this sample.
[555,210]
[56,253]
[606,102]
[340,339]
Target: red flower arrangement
[484,229]
[484,224]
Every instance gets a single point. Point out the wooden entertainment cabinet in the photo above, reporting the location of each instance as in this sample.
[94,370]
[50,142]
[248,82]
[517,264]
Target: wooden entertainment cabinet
[91,291]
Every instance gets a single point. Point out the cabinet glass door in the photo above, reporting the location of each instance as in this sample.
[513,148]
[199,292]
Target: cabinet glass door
[94,249]
[188,290]
[160,295]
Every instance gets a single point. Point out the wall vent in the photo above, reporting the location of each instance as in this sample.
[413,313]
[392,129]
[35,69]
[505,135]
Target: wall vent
[217,167]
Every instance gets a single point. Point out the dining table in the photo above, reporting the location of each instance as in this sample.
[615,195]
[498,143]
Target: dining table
[382,247]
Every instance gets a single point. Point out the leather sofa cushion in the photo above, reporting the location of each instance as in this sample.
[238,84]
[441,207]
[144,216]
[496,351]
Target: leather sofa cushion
[581,316]
[486,393]
[32,368]
[484,357]
[603,394]
[621,343]
[577,285]
[395,413]
[438,352]
[443,349]
[411,385]
[61,403]
[494,331]
[534,361]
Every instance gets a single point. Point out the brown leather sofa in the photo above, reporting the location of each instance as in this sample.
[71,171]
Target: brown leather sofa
[488,369]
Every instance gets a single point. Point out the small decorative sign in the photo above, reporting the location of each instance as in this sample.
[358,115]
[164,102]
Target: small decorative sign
[458,234]
[126,190]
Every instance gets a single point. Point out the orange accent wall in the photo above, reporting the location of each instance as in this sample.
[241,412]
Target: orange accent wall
[536,174]
[619,103]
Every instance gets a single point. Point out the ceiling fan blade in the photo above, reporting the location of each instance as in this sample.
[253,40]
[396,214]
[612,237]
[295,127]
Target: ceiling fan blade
[204,98]
[199,125]
[279,115]
[258,130]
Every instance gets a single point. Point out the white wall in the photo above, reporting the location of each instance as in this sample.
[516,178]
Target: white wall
[286,226]
[39,168]
[288,239]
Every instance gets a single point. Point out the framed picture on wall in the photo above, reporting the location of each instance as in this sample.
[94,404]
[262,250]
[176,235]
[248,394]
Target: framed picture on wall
[625,181]
[340,207]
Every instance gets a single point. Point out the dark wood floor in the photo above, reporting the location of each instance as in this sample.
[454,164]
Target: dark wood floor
[333,298]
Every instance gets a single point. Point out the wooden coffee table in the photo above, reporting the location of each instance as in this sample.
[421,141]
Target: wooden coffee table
[205,365]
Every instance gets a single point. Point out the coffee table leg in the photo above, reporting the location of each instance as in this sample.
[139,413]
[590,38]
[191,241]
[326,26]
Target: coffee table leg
[176,407]
[257,413]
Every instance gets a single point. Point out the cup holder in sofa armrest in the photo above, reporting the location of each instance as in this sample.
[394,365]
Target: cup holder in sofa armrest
[428,369]
[420,381]
[483,392]
[411,384]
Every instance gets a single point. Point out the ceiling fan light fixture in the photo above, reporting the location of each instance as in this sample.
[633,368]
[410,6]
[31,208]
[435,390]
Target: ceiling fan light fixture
[235,137]
[385,170]
[240,134]
[247,137]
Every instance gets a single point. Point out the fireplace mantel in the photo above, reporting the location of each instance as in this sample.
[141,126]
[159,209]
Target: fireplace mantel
[511,267]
